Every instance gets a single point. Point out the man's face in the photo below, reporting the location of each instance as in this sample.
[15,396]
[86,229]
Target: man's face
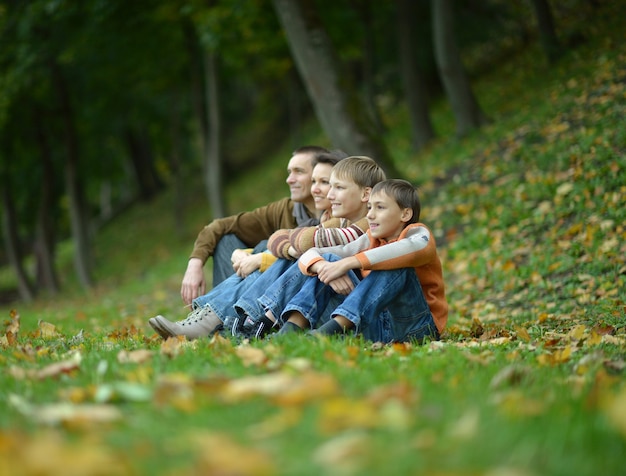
[299,172]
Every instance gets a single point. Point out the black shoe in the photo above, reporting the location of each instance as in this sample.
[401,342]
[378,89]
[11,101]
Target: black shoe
[258,329]
[236,329]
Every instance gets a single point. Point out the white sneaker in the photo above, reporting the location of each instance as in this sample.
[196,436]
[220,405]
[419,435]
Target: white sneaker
[201,322]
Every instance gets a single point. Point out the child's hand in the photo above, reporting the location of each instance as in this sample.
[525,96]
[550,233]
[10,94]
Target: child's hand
[328,271]
[342,285]
[247,265]
[237,256]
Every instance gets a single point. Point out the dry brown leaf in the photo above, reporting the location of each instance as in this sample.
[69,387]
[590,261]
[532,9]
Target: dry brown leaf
[284,388]
[176,390]
[285,419]
[138,356]
[58,368]
[66,413]
[559,356]
[14,325]
[219,454]
[251,355]
[339,414]
[47,330]
[47,453]
[345,454]
[522,334]
[174,346]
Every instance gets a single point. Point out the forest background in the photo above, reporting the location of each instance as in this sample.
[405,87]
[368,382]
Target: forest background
[119,121]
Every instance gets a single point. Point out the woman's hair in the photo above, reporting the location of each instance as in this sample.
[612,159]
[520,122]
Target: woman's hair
[404,193]
[363,171]
[328,158]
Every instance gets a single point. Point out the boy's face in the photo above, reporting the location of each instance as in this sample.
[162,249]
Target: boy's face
[320,185]
[385,217]
[299,172]
[347,199]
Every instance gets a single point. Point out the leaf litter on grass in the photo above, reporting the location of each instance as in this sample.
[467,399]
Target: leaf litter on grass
[533,249]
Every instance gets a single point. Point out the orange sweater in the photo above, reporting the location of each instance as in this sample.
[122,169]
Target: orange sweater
[414,248]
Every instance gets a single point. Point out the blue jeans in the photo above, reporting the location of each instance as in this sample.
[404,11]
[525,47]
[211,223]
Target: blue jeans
[248,304]
[385,306]
[275,292]
[222,297]
[222,266]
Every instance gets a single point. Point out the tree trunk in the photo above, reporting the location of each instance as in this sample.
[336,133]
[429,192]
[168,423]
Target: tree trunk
[213,156]
[465,108]
[12,246]
[73,183]
[142,158]
[547,33]
[422,130]
[363,9]
[337,104]
[44,238]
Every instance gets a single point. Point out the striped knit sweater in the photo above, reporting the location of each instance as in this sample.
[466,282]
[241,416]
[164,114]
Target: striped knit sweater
[331,232]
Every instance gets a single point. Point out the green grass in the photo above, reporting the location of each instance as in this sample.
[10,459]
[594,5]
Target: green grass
[529,216]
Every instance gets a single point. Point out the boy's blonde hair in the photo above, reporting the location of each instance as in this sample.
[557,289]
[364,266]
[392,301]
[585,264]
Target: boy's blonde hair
[404,194]
[363,171]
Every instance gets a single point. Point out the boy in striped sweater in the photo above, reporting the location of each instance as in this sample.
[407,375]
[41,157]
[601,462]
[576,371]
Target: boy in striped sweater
[389,281]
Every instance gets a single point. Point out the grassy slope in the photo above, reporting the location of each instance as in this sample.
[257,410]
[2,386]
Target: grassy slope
[529,214]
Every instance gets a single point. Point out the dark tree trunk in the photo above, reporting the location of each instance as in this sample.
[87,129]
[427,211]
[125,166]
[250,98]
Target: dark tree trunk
[12,245]
[465,108]
[44,238]
[337,104]
[213,156]
[364,10]
[142,158]
[73,182]
[547,33]
[415,87]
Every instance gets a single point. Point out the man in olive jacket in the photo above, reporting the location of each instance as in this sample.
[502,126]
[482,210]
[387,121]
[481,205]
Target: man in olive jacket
[223,236]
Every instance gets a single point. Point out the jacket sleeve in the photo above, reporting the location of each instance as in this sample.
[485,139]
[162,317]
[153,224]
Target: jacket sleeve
[250,227]
[314,255]
[415,248]
[278,244]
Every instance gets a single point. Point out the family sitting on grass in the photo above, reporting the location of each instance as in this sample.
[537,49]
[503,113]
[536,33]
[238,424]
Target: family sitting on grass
[344,254]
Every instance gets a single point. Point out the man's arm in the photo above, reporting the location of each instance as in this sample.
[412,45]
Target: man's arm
[250,227]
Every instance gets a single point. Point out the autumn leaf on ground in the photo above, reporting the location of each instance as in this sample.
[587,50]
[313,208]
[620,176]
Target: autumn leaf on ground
[138,356]
[285,388]
[9,339]
[175,345]
[220,454]
[347,453]
[48,453]
[251,355]
[176,390]
[285,419]
[66,413]
[46,330]
[14,324]
[52,370]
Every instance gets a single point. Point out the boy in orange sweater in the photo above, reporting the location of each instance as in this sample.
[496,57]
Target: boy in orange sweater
[390,280]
